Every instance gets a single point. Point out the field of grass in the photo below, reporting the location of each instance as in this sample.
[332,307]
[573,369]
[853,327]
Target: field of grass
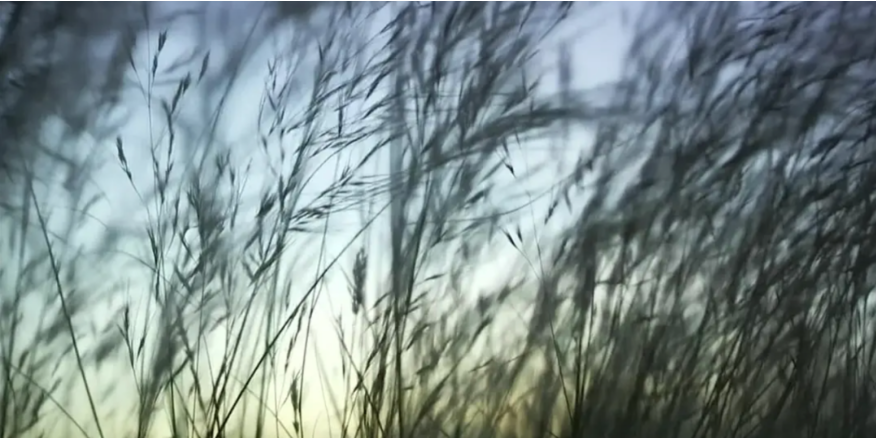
[387,251]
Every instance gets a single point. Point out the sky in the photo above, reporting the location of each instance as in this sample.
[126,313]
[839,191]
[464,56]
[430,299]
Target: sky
[596,41]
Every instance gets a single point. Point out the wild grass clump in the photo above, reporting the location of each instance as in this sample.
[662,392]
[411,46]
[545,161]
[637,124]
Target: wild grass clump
[359,262]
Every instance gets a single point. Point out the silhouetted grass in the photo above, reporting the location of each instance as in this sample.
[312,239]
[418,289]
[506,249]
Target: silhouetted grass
[722,290]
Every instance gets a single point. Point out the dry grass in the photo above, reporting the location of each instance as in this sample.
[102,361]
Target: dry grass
[723,291]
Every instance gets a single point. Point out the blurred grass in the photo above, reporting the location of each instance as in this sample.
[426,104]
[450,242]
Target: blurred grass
[721,291]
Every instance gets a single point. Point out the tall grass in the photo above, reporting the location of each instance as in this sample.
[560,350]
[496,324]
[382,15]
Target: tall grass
[324,274]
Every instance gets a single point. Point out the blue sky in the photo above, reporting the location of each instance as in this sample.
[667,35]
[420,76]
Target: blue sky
[596,42]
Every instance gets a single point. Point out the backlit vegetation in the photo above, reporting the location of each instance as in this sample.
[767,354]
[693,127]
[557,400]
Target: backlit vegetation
[362,245]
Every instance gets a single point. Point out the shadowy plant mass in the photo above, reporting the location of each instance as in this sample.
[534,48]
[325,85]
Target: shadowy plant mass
[703,268]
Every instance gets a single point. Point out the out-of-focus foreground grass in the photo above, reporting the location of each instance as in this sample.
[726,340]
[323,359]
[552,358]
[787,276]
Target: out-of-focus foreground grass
[698,264]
